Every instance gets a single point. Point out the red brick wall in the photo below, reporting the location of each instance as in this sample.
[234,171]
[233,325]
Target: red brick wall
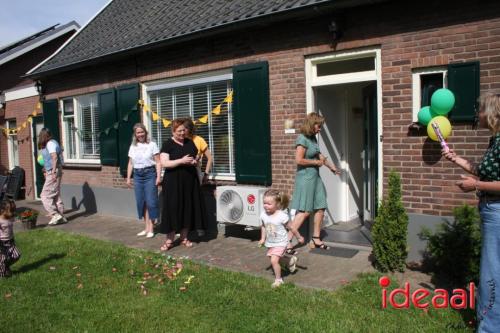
[410,36]
[20,110]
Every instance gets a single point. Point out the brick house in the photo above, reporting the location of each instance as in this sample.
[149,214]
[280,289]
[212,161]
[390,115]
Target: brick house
[367,66]
[19,97]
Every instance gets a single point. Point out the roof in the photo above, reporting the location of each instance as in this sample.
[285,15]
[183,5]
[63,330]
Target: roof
[125,25]
[22,46]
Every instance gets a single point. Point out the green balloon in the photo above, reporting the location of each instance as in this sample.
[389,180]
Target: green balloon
[442,101]
[425,115]
[40,160]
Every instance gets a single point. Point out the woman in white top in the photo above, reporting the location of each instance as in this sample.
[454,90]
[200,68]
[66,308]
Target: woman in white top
[144,161]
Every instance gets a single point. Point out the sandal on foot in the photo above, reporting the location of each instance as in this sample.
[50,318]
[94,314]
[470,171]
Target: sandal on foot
[186,242]
[315,245]
[167,245]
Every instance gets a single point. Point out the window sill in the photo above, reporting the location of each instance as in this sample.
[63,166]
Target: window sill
[81,166]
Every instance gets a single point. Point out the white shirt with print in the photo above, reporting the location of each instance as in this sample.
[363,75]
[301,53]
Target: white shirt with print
[142,154]
[276,233]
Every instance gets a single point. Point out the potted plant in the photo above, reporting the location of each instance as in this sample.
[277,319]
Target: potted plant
[28,217]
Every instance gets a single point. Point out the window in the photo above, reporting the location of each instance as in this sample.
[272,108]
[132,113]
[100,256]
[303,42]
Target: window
[195,99]
[81,129]
[12,145]
[425,83]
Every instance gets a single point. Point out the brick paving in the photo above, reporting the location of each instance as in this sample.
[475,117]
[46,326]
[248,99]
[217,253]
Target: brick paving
[234,250]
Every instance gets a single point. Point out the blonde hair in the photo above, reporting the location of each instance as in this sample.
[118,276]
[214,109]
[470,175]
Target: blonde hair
[280,197]
[490,103]
[312,119]
[141,126]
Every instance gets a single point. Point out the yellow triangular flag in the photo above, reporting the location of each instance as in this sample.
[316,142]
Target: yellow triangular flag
[140,102]
[203,119]
[30,119]
[23,125]
[38,106]
[146,108]
[33,113]
[154,116]
[165,123]
[216,110]
[229,98]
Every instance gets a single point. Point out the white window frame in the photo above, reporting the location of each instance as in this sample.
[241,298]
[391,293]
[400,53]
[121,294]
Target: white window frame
[416,85]
[11,142]
[190,80]
[77,122]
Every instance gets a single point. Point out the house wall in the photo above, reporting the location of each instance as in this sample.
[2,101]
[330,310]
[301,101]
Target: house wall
[410,36]
[20,109]
[13,71]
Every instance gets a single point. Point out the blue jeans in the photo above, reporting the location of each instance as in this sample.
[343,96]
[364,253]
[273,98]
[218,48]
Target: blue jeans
[146,192]
[488,305]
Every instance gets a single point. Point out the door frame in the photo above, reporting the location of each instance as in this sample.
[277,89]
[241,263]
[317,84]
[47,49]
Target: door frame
[312,81]
[34,151]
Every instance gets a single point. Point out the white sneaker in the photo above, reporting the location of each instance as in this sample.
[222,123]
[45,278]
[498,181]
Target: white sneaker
[277,283]
[292,264]
[64,219]
[55,219]
[150,235]
[142,233]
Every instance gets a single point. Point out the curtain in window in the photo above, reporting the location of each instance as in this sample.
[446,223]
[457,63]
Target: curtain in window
[88,112]
[197,101]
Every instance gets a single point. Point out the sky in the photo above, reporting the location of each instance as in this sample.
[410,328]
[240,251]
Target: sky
[21,18]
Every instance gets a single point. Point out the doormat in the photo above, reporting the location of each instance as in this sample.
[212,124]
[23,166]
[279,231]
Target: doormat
[335,251]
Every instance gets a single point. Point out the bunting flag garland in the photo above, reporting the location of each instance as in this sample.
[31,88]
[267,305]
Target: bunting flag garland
[14,131]
[202,120]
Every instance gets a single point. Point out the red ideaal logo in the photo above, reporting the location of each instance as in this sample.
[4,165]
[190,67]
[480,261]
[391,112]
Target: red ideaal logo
[251,199]
[458,299]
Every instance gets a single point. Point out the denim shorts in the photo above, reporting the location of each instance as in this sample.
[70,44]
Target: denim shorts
[146,192]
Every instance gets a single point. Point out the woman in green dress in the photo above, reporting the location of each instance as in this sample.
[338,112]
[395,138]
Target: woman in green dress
[309,194]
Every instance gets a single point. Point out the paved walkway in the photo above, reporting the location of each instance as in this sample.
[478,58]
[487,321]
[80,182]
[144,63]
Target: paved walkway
[236,250]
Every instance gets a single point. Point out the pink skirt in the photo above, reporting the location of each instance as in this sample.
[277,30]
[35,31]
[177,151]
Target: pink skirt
[276,251]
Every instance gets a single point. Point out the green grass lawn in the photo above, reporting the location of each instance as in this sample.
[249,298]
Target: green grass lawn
[68,283]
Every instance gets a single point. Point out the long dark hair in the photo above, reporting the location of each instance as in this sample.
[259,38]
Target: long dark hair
[43,137]
[7,208]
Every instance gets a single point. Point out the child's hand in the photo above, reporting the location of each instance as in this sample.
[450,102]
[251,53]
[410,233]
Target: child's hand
[261,243]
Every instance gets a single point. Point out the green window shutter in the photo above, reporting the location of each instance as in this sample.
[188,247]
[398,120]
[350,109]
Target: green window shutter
[252,123]
[463,81]
[51,118]
[107,118]
[128,114]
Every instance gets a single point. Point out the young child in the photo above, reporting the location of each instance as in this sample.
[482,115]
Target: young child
[274,234]
[9,253]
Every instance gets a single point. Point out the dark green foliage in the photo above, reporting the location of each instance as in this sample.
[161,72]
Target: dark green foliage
[390,230]
[453,251]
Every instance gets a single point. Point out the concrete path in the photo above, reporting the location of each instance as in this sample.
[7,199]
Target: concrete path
[235,250]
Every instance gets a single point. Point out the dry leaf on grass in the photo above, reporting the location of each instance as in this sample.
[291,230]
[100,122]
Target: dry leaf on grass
[52,268]
[8,295]
[80,286]
[114,269]
[183,288]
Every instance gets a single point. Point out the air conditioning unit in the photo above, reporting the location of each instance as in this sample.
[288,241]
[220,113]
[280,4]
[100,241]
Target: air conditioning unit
[240,204]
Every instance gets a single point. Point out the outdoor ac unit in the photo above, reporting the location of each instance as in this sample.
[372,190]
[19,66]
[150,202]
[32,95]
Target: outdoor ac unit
[240,205]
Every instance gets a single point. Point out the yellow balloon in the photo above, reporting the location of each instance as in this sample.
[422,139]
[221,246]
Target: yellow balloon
[444,126]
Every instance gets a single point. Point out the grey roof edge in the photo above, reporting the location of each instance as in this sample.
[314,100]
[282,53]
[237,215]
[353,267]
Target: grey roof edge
[34,73]
[29,73]
[56,31]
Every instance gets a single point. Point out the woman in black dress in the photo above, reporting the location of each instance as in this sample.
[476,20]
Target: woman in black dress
[183,207]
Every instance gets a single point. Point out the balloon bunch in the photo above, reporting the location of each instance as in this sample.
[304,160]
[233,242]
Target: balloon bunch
[434,116]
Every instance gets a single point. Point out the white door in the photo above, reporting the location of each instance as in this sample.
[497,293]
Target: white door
[330,103]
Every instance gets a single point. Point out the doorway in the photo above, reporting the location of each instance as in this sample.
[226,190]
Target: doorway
[36,126]
[349,139]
